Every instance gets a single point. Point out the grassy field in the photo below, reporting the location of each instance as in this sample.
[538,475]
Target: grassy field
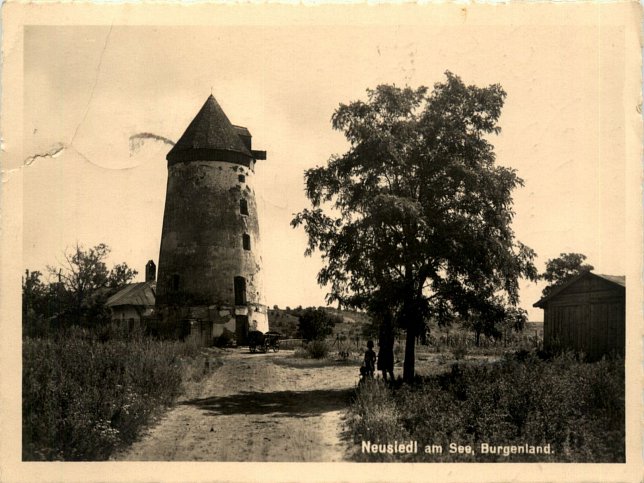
[84,397]
[576,408]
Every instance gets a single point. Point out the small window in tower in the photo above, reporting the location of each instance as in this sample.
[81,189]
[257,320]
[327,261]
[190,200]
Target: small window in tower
[243,206]
[240,291]
[174,285]
[246,241]
[241,178]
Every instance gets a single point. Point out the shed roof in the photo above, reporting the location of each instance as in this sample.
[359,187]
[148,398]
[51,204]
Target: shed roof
[619,280]
[139,294]
[211,136]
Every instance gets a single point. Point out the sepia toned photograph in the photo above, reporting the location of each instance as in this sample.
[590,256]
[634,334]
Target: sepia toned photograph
[284,235]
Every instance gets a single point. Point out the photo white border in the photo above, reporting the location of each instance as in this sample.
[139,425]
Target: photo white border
[17,15]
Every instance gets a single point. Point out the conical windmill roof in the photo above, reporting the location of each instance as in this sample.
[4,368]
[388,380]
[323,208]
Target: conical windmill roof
[210,137]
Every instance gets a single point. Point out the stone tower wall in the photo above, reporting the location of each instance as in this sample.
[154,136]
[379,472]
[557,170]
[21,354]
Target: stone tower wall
[202,247]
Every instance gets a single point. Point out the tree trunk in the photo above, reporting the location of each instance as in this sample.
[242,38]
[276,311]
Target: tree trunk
[409,366]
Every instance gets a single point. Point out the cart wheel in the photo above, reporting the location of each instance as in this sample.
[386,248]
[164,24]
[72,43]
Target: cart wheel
[276,347]
[252,349]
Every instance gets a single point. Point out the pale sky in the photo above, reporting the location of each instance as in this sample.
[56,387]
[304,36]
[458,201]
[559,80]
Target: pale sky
[91,88]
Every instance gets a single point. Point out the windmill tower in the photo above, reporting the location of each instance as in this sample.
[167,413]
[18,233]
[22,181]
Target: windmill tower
[210,269]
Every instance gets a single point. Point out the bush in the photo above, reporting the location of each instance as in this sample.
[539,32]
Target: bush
[226,339]
[84,397]
[316,323]
[317,349]
[577,408]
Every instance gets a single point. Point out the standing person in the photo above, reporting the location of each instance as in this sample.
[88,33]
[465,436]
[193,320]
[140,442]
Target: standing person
[386,357]
[369,360]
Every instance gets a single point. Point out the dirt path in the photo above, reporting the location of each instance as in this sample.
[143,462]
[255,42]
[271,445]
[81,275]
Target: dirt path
[256,407]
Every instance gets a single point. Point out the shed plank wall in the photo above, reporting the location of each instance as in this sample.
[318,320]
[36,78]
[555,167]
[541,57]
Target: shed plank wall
[588,316]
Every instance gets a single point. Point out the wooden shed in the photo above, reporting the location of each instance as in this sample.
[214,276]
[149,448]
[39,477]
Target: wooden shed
[586,314]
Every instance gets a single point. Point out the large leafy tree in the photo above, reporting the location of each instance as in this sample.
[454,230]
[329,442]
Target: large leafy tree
[414,219]
[120,275]
[561,269]
[85,282]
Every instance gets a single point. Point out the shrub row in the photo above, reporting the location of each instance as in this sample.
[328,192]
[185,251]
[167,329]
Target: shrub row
[577,408]
[84,396]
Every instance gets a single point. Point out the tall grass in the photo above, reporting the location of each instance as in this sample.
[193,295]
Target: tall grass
[461,342]
[83,396]
[376,417]
[577,408]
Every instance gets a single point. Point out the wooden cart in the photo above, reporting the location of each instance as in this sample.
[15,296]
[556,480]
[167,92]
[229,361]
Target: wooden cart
[258,341]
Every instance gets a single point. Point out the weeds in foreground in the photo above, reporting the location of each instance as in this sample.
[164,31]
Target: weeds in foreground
[577,408]
[83,397]
[375,416]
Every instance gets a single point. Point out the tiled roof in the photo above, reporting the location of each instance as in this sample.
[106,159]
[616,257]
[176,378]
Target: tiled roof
[138,294]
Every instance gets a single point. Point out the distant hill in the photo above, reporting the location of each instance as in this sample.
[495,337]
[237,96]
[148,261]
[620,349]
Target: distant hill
[281,321]
[285,322]
[353,322]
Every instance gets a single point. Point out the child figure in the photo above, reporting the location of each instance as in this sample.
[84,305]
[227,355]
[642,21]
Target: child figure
[369,360]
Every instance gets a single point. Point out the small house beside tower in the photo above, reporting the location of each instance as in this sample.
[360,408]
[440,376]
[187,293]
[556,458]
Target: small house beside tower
[134,303]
